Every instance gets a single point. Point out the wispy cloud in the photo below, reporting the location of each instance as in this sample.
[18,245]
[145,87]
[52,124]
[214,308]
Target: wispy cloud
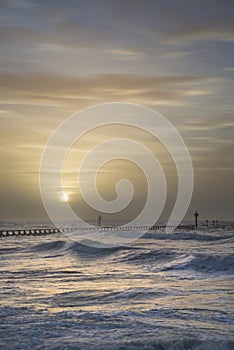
[54,90]
[189,35]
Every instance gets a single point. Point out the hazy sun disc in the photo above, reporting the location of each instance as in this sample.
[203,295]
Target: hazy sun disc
[64,197]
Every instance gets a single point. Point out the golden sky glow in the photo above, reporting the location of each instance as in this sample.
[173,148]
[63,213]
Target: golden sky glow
[59,57]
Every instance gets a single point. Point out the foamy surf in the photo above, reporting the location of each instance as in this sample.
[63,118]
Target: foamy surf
[163,291]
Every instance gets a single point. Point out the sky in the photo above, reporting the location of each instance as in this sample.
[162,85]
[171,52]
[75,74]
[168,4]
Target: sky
[58,57]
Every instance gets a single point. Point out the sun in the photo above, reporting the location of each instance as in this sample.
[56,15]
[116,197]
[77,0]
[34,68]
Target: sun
[64,197]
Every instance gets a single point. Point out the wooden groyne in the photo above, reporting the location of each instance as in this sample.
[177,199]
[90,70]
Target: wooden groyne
[29,232]
[48,231]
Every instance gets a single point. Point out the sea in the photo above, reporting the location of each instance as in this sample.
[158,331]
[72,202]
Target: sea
[164,291]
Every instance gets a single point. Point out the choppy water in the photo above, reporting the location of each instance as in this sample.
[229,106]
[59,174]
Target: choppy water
[164,291]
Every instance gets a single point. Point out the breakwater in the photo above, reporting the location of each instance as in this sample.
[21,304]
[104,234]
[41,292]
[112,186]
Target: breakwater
[48,231]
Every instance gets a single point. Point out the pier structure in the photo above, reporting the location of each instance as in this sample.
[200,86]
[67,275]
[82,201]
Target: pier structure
[49,231]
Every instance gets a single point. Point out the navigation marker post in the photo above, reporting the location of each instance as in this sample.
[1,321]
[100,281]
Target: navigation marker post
[196,214]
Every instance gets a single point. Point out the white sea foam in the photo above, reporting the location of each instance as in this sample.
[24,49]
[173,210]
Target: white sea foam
[164,291]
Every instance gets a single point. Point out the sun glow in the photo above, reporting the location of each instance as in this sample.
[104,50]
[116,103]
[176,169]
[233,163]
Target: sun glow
[64,197]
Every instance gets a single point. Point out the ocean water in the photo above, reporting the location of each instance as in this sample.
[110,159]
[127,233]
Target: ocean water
[164,291]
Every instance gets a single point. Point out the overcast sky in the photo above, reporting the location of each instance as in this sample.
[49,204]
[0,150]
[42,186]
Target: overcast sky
[57,57]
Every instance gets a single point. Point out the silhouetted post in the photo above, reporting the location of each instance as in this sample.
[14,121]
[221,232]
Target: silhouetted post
[195,217]
[99,220]
[213,223]
[207,223]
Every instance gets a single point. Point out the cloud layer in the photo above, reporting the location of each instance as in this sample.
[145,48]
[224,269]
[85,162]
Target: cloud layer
[59,57]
